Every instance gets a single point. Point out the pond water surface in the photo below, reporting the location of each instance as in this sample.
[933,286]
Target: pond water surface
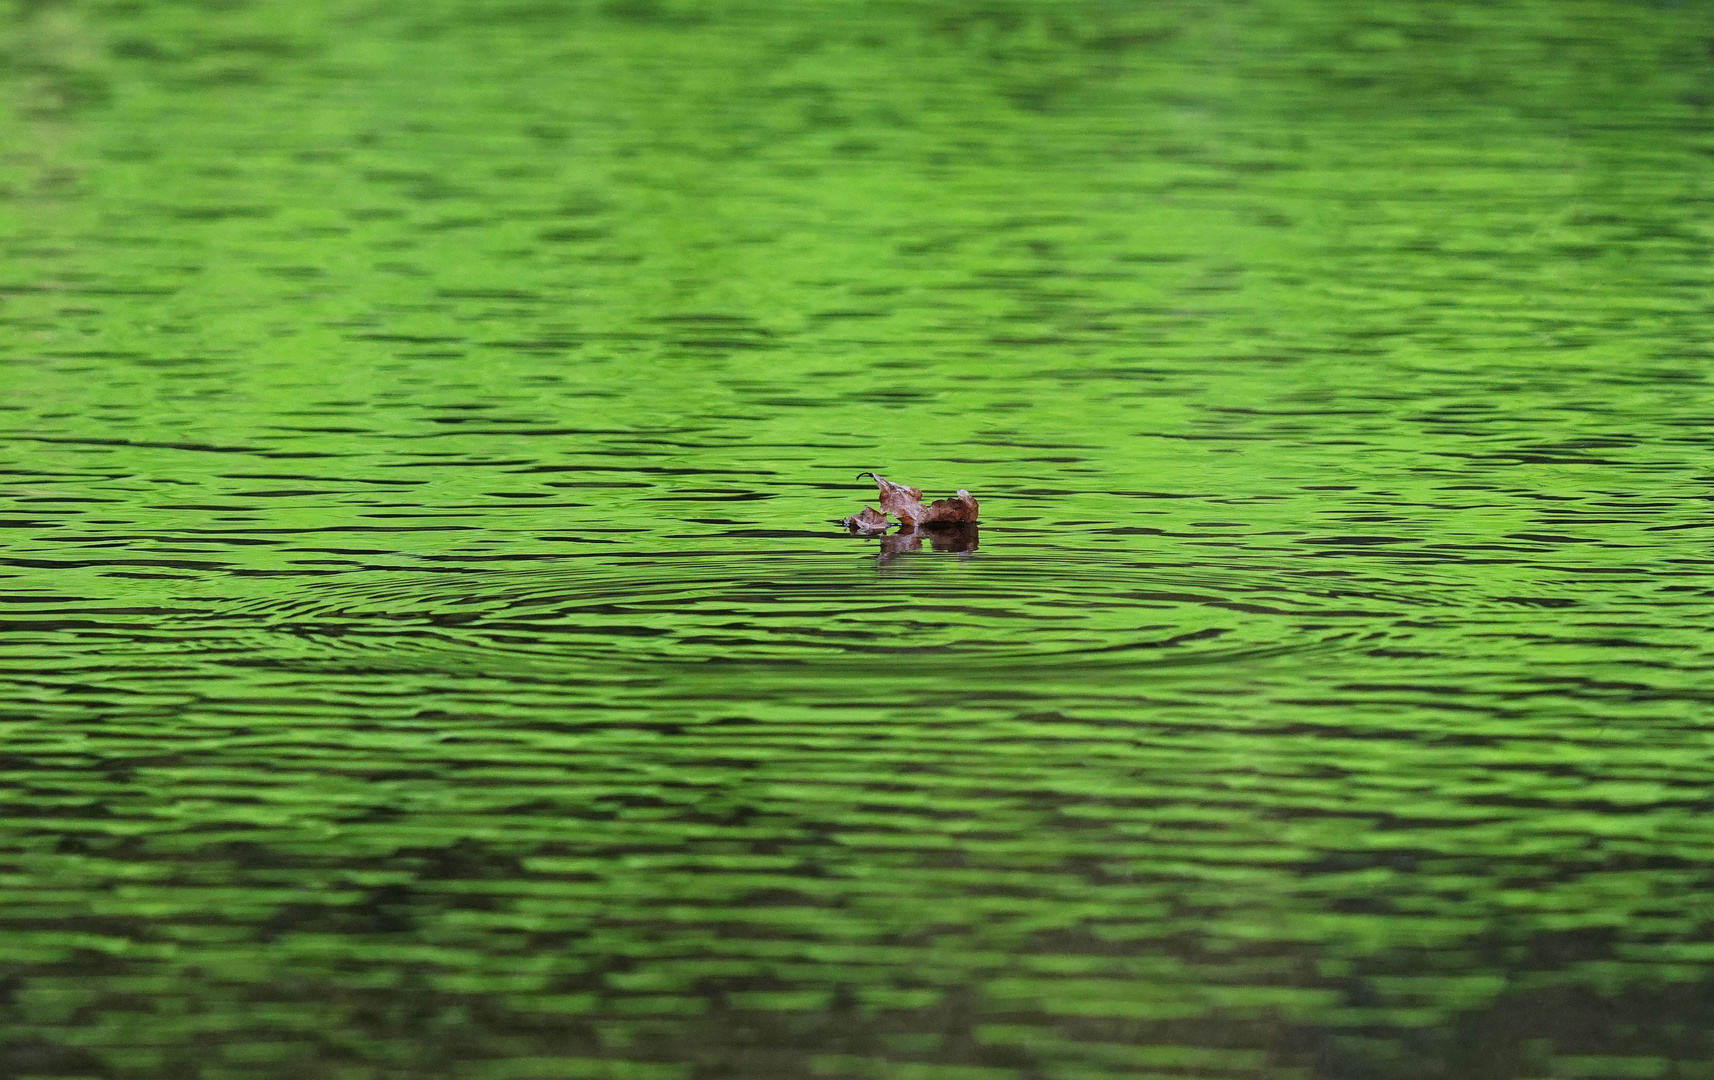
[429,651]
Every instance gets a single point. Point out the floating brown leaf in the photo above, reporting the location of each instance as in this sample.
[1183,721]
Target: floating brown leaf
[905,503]
[958,510]
[869,522]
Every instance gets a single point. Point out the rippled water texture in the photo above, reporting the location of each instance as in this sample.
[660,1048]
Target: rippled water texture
[429,652]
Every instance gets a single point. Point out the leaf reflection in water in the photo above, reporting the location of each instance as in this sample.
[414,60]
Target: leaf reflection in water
[959,539]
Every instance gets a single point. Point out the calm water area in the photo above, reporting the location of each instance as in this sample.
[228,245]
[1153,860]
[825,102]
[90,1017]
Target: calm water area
[428,647]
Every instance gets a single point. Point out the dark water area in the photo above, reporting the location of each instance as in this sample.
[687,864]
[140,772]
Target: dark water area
[428,649]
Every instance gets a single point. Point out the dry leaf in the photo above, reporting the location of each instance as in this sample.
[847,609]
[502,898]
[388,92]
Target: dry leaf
[869,522]
[905,503]
[958,510]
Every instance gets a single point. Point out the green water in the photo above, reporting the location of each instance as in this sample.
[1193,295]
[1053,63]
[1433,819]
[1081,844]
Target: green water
[428,650]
